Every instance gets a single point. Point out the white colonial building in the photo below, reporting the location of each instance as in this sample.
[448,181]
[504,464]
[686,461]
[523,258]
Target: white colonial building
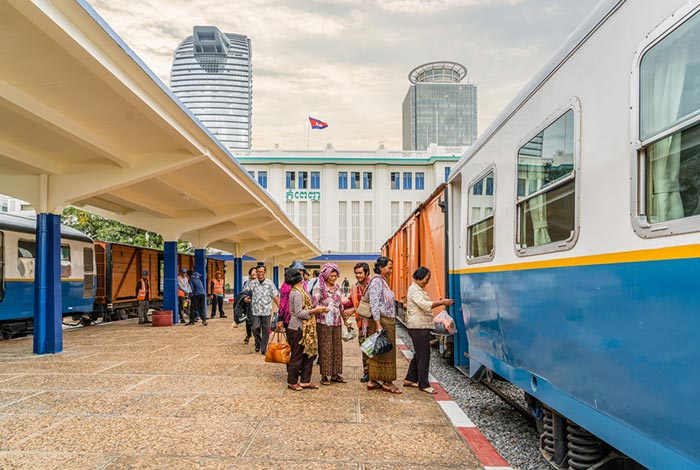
[349,202]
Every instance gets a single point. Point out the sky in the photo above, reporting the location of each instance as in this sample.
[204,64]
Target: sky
[346,62]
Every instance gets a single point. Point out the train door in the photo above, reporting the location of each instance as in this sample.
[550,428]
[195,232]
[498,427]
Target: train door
[457,253]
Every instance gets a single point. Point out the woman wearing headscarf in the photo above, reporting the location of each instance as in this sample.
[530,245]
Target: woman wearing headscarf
[301,332]
[326,293]
[382,367]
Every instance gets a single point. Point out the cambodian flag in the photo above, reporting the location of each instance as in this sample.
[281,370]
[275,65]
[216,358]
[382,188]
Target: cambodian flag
[317,124]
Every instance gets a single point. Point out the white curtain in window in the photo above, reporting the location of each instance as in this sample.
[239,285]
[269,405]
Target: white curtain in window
[663,76]
[538,215]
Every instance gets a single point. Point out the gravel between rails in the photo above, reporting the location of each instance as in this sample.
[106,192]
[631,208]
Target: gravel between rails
[506,428]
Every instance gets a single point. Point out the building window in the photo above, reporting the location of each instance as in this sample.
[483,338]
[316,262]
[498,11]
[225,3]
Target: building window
[447,173]
[316,222]
[367,180]
[290,180]
[252,174]
[546,210]
[342,180]
[315,180]
[407,209]
[480,222]
[342,226]
[355,180]
[303,181]
[669,132]
[408,180]
[355,208]
[395,216]
[395,180]
[303,216]
[420,181]
[262,179]
[290,210]
[369,239]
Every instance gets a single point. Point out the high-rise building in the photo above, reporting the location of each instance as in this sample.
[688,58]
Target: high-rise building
[438,107]
[213,76]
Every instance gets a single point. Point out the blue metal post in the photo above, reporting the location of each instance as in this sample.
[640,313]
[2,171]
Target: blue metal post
[170,279]
[200,265]
[237,275]
[48,306]
[276,276]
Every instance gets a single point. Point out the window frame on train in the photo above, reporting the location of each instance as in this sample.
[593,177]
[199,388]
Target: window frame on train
[490,171]
[573,106]
[644,141]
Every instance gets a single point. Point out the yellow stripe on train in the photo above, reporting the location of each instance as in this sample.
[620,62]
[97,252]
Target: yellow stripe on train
[657,254]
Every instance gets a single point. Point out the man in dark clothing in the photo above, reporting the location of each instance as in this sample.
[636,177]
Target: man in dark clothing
[143,296]
[198,299]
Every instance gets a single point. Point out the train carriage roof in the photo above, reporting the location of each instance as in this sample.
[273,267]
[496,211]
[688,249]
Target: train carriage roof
[19,223]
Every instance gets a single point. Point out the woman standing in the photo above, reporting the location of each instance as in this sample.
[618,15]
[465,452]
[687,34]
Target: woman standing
[382,367]
[326,293]
[419,321]
[301,332]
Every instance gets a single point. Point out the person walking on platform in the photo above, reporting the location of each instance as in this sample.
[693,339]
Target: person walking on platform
[143,295]
[263,293]
[183,293]
[419,321]
[311,285]
[216,289]
[330,335]
[358,290]
[346,287]
[382,367]
[252,275]
[301,332]
[198,299]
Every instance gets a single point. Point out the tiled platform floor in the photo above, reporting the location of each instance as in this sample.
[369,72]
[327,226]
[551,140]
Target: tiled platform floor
[128,396]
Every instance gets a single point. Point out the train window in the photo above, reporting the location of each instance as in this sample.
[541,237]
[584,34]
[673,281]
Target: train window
[480,218]
[26,252]
[66,269]
[2,266]
[88,260]
[669,132]
[546,204]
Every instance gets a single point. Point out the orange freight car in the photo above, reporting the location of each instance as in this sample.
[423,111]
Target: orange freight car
[420,241]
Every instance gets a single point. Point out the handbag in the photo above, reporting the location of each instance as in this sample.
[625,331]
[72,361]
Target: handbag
[363,308]
[278,349]
[382,344]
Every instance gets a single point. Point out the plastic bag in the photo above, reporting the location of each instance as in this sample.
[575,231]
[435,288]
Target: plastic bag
[349,330]
[383,345]
[444,324]
[367,346]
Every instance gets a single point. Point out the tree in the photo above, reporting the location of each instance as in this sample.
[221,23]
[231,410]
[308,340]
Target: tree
[106,230]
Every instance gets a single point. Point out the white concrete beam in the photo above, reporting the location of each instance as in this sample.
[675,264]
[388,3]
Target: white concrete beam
[48,117]
[256,246]
[27,160]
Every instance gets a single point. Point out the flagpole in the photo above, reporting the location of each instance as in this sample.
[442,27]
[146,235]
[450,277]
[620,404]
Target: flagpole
[308,133]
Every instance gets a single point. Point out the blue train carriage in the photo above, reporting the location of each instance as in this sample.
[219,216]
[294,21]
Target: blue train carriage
[574,235]
[17,261]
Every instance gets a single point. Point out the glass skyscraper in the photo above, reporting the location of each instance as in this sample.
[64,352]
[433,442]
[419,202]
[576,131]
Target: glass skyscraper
[213,76]
[438,108]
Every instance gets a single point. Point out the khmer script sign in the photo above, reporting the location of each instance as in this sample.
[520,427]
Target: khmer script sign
[303,195]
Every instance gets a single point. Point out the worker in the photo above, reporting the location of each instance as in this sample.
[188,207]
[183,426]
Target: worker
[143,297]
[183,294]
[216,293]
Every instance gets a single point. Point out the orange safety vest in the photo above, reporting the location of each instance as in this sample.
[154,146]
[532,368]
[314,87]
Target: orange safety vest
[142,290]
[181,280]
[218,287]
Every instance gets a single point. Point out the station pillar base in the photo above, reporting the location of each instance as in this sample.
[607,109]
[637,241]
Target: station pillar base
[48,305]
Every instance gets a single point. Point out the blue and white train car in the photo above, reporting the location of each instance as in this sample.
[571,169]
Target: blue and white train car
[17,260]
[575,240]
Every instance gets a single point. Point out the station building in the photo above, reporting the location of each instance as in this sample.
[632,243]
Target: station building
[348,202]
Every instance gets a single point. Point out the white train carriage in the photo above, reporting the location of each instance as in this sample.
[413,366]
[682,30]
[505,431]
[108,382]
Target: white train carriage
[574,228]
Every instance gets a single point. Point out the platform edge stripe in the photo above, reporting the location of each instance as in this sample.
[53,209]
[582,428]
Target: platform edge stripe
[431,378]
[399,342]
[483,449]
[458,417]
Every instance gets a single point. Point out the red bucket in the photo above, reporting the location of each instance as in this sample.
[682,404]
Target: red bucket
[162,318]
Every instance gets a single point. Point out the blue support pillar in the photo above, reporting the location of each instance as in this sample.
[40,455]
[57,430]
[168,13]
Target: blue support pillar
[48,305]
[200,266]
[276,276]
[237,275]
[170,279]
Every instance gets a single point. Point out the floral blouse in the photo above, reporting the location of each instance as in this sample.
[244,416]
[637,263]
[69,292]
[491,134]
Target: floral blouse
[381,298]
[334,317]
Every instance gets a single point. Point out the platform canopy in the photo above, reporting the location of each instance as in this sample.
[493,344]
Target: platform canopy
[86,123]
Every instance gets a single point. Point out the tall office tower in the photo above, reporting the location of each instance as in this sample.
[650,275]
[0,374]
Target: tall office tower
[438,108]
[213,76]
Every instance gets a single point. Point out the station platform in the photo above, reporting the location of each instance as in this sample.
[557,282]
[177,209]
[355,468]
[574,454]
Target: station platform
[122,395]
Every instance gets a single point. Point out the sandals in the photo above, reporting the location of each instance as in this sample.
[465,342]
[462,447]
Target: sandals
[373,385]
[295,387]
[408,383]
[391,389]
[309,387]
[429,390]
[339,379]
[325,381]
